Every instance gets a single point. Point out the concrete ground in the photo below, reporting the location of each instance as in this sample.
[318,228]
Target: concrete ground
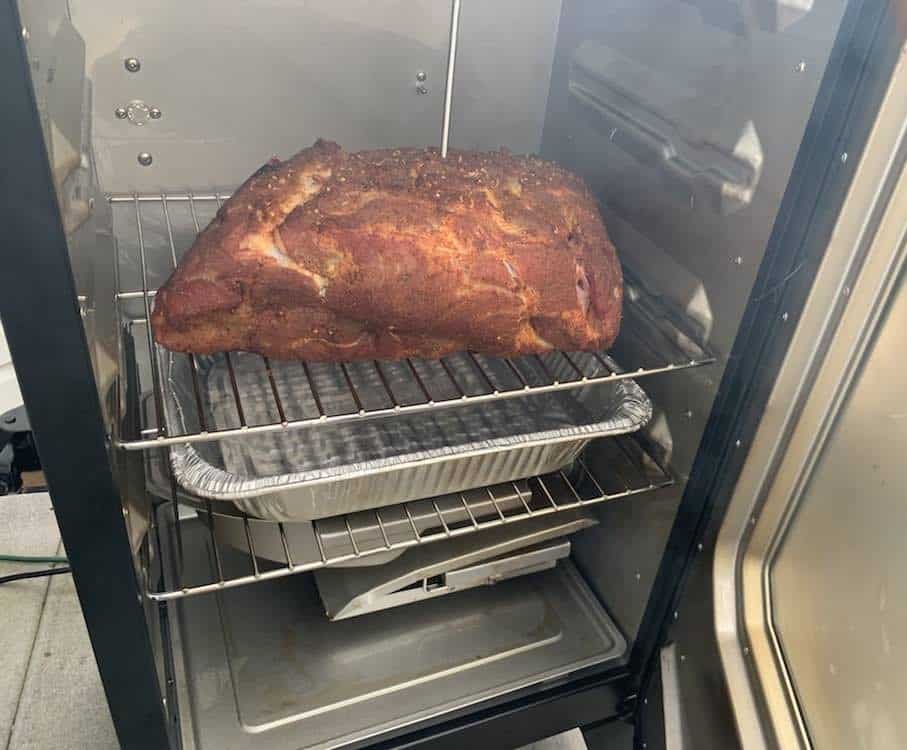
[50,692]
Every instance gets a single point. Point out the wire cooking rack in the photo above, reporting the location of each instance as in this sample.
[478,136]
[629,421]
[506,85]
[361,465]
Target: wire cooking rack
[153,232]
[236,541]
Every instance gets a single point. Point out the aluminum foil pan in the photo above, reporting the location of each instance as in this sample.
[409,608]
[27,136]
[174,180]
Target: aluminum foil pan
[334,533]
[333,468]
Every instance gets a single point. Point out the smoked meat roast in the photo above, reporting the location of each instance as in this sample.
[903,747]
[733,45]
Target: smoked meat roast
[338,256]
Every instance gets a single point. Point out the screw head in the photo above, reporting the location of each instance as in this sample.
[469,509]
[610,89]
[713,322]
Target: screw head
[145,159]
[421,75]
[154,113]
[422,90]
[121,113]
[843,157]
[801,66]
[26,35]
[132,64]
[784,316]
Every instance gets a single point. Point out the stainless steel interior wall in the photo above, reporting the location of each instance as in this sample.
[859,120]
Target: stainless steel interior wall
[685,118]
[213,90]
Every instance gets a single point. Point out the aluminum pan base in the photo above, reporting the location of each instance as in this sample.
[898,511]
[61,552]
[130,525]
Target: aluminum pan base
[340,468]
[267,669]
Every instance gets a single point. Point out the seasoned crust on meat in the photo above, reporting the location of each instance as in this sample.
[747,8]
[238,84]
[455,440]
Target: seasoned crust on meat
[386,254]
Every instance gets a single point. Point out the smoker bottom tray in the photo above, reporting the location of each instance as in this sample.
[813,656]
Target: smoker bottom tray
[281,675]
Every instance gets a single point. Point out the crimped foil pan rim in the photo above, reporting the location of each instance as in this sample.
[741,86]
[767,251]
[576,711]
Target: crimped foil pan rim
[199,476]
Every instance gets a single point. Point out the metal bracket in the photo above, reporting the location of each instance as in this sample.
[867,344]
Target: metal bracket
[628,705]
[18,453]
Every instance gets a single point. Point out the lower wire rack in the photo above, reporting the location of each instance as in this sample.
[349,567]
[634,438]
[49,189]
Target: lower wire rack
[624,466]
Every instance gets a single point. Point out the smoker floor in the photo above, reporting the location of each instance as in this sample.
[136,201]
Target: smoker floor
[267,669]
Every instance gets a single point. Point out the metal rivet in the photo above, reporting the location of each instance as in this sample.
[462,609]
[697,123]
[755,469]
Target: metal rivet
[154,113]
[638,575]
[25,34]
[422,90]
[738,260]
[645,701]
[421,75]
[676,614]
[844,157]
[846,291]
[145,159]
[699,546]
[753,520]
[746,650]
[121,113]
[801,66]
[688,414]
[683,657]
[132,64]
[737,443]
[784,316]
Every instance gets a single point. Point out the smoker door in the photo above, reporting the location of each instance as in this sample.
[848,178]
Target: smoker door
[814,551]
[788,631]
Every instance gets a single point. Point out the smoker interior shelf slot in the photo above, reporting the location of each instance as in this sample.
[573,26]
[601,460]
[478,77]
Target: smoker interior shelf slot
[629,469]
[153,231]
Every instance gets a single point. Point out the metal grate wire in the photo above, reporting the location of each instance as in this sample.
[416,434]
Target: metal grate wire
[652,340]
[632,469]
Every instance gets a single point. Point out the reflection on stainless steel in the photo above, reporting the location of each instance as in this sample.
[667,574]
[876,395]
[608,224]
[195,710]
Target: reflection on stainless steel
[605,89]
